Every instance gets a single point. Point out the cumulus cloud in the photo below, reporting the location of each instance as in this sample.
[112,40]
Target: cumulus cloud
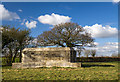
[23,22]
[7,15]
[51,27]
[53,19]
[20,10]
[110,46]
[31,24]
[99,31]
[107,49]
[96,43]
[116,1]
[93,44]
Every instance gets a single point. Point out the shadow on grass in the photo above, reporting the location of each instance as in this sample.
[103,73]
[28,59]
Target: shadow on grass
[96,65]
[83,65]
[54,67]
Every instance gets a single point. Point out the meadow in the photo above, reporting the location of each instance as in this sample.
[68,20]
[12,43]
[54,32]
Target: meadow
[88,71]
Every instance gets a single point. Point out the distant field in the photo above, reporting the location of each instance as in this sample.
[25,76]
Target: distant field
[88,71]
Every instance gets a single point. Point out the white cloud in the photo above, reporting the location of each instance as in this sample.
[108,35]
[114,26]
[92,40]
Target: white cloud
[107,49]
[93,44]
[116,1]
[23,21]
[99,31]
[96,43]
[53,19]
[111,45]
[51,27]
[30,25]
[20,10]
[7,15]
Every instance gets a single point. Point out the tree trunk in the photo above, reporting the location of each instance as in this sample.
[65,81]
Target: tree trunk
[20,60]
[10,57]
[79,53]
[16,51]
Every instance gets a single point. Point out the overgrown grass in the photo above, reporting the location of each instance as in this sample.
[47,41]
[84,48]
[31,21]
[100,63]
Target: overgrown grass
[88,71]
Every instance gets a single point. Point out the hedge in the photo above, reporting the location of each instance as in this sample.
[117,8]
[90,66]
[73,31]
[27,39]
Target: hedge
[97,59]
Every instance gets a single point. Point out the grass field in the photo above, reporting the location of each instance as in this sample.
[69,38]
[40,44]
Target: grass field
[88,71]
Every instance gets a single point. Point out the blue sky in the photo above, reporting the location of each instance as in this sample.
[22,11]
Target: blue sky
[87,14]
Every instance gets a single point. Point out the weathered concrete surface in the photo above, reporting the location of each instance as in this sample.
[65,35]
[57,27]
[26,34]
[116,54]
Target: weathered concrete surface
[47,57]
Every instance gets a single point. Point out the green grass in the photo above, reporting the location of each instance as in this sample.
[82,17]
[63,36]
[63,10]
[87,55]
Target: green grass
[89,71]
[3,59]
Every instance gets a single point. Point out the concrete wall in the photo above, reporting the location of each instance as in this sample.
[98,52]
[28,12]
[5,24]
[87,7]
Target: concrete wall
[47,57]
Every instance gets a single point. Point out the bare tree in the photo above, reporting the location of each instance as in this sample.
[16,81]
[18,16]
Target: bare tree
[93,53]
[65,35]
[87,53]
[115,54]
